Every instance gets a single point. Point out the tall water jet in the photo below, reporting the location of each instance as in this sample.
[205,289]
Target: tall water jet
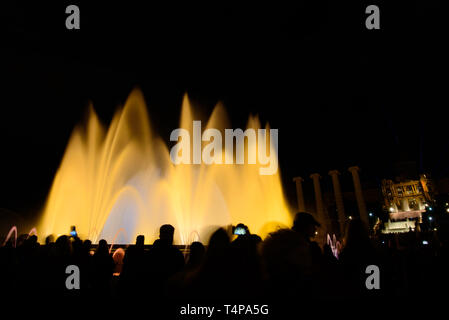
[123,177]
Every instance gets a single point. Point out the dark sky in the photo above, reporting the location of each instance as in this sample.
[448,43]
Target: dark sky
[338,93]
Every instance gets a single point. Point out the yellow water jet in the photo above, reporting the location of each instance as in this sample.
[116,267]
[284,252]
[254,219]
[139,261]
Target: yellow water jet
[123,177]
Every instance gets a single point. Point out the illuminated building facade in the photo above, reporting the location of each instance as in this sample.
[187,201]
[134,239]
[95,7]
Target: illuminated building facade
[406,200]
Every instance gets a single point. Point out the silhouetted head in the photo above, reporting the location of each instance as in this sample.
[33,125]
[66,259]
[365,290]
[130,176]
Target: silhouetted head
[49,239]
[140,240]
[63,246]
[87,244]
[33,239]
[102,247]
[196,254]
[285,253]
[166,233]
[306,224]
[218,241]
[77,244]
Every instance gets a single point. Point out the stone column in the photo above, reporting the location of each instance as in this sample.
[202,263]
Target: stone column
[300,194]
[338,200]
[405,206]
[359,194]
[318,198]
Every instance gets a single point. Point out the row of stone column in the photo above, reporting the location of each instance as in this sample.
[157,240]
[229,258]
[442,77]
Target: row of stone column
[320,212]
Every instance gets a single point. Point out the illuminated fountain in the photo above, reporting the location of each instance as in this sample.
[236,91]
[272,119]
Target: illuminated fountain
[123,178]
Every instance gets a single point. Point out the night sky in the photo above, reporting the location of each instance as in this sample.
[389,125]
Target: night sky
[339,94]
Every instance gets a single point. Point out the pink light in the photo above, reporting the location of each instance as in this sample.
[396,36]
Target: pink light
[334,244]
[32,231]
[121,230]
[13,229]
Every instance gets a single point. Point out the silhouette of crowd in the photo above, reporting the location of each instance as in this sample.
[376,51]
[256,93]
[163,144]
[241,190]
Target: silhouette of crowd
[287,264]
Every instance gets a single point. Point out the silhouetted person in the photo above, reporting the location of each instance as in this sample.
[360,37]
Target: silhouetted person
[140,242]
[196,255]
[87,245]
[85,264]
[102,268]
[287,262]
[176,285]
[245,266]
[49,239]
[58,259]
[213,280]
[77,246]
[306,227]
[164,260]
[27,254]
[8,267]
[358,253]
[134,273]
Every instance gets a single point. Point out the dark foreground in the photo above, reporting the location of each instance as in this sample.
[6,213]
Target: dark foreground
[247,278]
